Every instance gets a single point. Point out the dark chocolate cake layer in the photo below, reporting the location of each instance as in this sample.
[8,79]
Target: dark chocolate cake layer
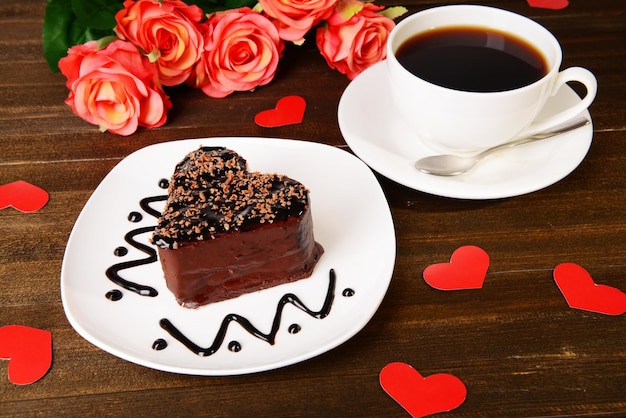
[225,231]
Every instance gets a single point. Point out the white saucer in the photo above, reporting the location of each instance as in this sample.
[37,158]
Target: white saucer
[379,136]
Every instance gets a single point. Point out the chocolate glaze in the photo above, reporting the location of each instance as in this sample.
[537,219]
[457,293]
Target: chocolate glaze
[212,192]
[288,298]
[225,231]
[238,263]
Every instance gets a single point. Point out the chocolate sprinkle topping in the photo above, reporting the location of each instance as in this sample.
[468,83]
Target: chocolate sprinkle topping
[212,192]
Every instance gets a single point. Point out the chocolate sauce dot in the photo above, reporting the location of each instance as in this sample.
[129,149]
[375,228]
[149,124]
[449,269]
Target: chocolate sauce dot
[234,346]
[159,344]
[114,295]
[347,292]
[120,251]
[135,217]
[164,183]
[294,328]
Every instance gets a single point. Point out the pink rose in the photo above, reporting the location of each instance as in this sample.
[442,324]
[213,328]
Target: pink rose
[115,87]
[241,52]
[166,31]
[294,18]
[354,37]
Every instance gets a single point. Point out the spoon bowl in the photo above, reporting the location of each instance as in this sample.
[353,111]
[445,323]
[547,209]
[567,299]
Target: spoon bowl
[453,165]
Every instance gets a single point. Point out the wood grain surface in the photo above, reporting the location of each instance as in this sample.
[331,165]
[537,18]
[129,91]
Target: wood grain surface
[517,346]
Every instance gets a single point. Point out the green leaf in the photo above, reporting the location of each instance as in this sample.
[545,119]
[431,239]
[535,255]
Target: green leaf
[211,6]
[72,22]
[104,42]
[96,14]
[394,12]
[60,31]
[233,4]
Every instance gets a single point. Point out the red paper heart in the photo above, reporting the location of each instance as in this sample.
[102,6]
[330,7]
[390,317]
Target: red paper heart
[29,351]
[23,196]
[549,4]
[421,396]
[289,111]
[466,270]
[581,292]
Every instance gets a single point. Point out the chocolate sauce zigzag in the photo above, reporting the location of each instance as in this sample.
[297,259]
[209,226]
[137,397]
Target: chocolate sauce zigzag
[270,337]
[113,272]
[145,204]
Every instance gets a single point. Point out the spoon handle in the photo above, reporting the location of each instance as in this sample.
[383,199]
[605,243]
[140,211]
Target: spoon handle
[537,136]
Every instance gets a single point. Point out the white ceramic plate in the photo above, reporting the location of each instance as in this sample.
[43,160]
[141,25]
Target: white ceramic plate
[379,136]
[352,222]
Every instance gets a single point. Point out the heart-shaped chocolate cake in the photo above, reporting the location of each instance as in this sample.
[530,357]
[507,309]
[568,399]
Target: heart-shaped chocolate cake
[226,231]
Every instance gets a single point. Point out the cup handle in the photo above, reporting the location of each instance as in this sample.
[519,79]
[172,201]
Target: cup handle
[578,74]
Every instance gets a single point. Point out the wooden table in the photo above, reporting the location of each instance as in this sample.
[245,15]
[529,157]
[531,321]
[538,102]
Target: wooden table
[515,343]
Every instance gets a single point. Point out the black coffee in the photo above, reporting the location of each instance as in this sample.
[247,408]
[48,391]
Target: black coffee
[472,59]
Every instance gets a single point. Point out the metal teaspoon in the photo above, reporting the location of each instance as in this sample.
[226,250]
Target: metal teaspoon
[452,165]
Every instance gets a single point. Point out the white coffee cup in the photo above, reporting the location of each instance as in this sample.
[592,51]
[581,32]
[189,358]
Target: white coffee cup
[461,122]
